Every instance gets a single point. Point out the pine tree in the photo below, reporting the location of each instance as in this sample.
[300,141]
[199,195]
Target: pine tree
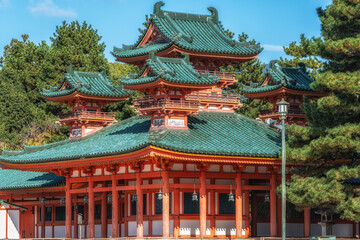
[327,149]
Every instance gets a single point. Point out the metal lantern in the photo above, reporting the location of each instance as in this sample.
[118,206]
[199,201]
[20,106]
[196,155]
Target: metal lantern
[160,195]
[283,108]
[194,196]
[109,198]
[231,197]
[62,201]
[86,199]
[133,197]
[267,197]
[42,201]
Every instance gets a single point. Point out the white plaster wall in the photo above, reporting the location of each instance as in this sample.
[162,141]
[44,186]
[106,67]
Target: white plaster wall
[82,231]
[97,172]
[224,182]
[171,225]
[48,231]
[156,169]
[189,181]
[121,170]
[97,230]
[216,203]
[228,168]
[295,229]
[315,229]
[13,224]
[250,169]
[75,173]
[109,230]
[122,230]
[226,227]
[177,167]
[263,229]
[189,227]
[190,168]
[181,199]
[214,168]
[59,231]
[132,228]
[157,227]
[146,228]
[2,224]
[262,170]
[343,230]
[147,168]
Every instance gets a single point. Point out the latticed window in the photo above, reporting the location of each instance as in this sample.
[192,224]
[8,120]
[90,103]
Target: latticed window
[133,205]
[226,206]
[159,204]
[190,206]
[59,213]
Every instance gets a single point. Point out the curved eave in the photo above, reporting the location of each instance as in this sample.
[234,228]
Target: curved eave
[47,188]
[143,154]
[174,48]
[77,94]
[281,89]
[163,82]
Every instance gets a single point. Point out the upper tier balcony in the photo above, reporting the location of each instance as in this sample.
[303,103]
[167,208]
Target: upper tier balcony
[227,75]
[90,115]
[275,112]
[150,104]
[210,97]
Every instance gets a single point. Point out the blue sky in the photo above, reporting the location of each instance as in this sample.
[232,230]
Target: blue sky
[273,23]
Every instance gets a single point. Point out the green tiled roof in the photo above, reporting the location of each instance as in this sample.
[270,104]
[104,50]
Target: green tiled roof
[175,70]
[193,32]
[89,83]
[15,179]
[291,78]
[211,133]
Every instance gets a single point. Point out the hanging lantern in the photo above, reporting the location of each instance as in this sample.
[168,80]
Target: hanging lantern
[267,197]
[86,199]
[62,201]
[109,198]
[48,209]
[42,201]
[133,197]
[160,195]
[231,197]
[194,197]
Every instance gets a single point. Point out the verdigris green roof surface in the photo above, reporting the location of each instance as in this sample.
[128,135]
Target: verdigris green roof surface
[89,83]
[15,179]
[175,70]
[291,78]
[209,133]
[193,32]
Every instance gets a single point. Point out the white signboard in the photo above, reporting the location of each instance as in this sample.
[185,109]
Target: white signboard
[174,122]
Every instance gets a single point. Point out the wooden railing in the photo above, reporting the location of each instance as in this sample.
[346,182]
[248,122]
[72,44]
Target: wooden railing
[219,74]
[148,103]
[276,112]
[211,97]
[88,114]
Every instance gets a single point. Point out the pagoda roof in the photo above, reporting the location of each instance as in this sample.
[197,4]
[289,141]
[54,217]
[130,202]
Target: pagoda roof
[192,32]
[16,179]
[88,83]
[282,77]
[174,70]
[210,133]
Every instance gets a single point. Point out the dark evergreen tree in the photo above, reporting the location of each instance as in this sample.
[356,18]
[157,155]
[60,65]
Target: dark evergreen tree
[328,147]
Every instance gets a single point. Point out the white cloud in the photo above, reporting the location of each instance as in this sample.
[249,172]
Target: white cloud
[273,48]
[4,3]
[49,9]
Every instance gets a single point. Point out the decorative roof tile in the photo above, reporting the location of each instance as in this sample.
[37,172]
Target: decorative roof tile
[15,179]
[291,78]
[191,32]
[89,83]
[209,133]
[175,70]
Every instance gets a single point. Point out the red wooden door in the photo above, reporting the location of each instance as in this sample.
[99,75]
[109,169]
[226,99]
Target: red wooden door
[27,224]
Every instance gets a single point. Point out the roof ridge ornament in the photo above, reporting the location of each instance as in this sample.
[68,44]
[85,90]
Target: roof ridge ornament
[157,8]
[214,14]
[70,69]
[302,67]
[186,57]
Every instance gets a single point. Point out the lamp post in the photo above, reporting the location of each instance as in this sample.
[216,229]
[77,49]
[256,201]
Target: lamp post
[283,110]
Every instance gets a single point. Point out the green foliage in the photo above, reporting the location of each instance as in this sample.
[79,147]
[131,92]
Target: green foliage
[246,73]
[327,148]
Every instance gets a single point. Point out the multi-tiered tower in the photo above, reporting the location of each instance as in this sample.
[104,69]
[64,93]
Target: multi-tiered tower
[86,93]
[178,86]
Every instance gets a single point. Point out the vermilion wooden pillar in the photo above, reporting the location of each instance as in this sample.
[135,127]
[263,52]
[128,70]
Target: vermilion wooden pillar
[177,209]
[115,207]
[273,227]
[104,215]
[150,209]
[203,203]
[126,211]
[68,209]
[247,211]
[91,213]
[42,221]
[212,209]
[307,222]
[139,206]
[238,205]
[76,226]
[165,204]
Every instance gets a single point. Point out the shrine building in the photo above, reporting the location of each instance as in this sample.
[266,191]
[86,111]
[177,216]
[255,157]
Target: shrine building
[186,166]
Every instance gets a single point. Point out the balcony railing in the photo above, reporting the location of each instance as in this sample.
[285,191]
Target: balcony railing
[88,114]
[276,112]
[215,98]
[219,74]
[150,103]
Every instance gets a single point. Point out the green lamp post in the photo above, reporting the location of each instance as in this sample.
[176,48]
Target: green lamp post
[283,110]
